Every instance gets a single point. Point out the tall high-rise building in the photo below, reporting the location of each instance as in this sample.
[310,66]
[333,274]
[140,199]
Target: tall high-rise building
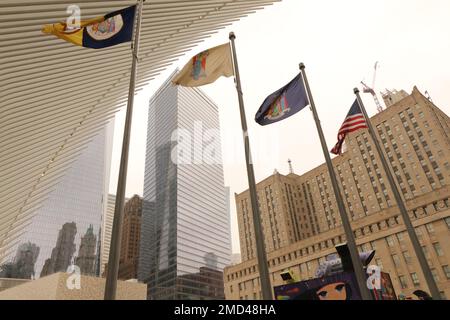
[131,236]
[87,253]
[45,120]
[300,218]
[63,253]
[67,224]
[185,241]
[25,260]
[23,266]
[107,222]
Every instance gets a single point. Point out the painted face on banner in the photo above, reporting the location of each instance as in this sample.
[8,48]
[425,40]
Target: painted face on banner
[333,291]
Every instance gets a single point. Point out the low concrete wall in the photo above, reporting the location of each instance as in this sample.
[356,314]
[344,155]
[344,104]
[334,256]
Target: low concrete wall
[6,283]
[63,286]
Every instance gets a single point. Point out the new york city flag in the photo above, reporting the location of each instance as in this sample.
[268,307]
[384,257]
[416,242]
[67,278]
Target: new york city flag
[283,103]
[101,32]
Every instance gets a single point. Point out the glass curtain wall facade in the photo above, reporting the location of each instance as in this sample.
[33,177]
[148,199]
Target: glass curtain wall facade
[185,234]
[66,229]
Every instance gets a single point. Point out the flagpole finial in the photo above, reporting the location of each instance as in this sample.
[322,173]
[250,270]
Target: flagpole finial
[232,36]
[356,90]
[302,66]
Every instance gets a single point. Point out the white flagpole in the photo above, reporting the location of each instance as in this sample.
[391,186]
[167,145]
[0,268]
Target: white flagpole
[116,235]
[266,288]
[351,243]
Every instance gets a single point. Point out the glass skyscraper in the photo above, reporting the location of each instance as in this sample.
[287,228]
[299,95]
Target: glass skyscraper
[185,233]
[66,228]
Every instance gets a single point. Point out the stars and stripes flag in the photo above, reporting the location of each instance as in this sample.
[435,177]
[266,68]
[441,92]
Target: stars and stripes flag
[354,121]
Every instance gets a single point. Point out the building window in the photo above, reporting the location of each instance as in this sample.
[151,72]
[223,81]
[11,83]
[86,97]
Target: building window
[447,221]
[447,165]
[430,228]
[415,279]
[419,233]
[403,282]
[407,257]
[438,249]
[396,260]
[425,252]
[446,270]
[303,268]
[379,263]
[390,241]
[435,275]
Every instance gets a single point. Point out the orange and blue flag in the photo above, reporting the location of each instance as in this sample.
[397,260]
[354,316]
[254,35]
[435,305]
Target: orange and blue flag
[206,67]
[283,103]
[101,32]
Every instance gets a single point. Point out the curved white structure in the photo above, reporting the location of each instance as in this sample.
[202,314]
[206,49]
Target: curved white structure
[56,96]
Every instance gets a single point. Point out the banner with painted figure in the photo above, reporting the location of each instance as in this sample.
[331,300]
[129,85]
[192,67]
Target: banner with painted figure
[340,286]
[387,291]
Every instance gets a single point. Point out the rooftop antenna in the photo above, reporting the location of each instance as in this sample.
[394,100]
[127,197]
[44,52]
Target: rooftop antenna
[291,170]
[371,90]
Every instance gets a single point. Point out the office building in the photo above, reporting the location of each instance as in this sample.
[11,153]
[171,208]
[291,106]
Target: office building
[300,217]
[87,254]
[52,107]
[63,253]
[185,240]
[66,228]
[23,265]
[131,236]
[107,223]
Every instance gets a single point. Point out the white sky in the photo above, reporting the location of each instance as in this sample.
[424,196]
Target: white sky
[339,41]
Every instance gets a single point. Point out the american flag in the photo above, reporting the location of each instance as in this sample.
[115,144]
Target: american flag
[354,121]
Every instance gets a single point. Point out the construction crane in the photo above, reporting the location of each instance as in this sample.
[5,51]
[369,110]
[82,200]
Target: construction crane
[427,95]
[371,90]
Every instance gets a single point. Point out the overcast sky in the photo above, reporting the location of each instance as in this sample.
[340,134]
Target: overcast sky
[339,41]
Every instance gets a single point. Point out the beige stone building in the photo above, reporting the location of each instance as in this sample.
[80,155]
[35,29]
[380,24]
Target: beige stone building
[300,217]
[131,237]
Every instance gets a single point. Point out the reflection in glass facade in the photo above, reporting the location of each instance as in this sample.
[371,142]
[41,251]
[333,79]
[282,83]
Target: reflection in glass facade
[185,233]
[66,229]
